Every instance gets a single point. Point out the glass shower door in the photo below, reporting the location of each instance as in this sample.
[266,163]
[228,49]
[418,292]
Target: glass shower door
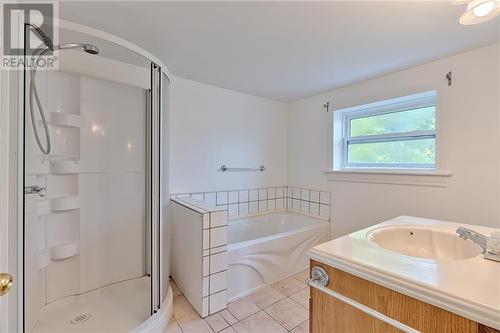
[91,227]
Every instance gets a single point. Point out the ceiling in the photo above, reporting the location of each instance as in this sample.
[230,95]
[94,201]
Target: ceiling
[286,50]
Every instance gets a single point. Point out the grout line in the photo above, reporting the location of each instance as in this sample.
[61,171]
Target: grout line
[178,325]
[277,322]
[307,320]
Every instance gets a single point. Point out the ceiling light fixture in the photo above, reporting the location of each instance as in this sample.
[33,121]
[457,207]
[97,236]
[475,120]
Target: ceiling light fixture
[480,11]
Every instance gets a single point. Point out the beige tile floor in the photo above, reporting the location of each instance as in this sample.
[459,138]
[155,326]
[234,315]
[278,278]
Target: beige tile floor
[279,308]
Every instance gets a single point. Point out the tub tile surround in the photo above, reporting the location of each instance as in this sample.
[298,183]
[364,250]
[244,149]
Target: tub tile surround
[265,200]
[250,314]
[216,208]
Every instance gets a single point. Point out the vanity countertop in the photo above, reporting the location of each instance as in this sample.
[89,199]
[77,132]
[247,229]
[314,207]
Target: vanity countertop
[467,287]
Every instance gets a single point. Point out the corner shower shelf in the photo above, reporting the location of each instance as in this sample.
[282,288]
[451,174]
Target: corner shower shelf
[64,204]
[64,251]
[64,119]
[64,167]
[53,158]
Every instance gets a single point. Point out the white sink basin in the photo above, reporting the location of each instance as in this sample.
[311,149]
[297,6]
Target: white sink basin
[424,242]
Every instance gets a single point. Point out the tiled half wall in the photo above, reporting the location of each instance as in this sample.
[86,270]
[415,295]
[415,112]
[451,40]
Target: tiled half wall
[200,271]
[265,200]
[203,216]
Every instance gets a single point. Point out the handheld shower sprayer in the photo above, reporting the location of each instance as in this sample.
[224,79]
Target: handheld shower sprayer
[45,47]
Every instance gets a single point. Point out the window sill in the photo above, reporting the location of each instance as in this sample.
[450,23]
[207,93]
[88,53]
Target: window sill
[394,177]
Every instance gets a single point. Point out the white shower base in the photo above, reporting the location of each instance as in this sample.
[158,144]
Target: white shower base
[120,307]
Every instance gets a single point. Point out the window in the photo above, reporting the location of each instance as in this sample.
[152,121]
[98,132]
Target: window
[393,134]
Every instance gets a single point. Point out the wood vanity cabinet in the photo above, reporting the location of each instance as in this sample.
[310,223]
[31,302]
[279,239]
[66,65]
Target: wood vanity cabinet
[330,315]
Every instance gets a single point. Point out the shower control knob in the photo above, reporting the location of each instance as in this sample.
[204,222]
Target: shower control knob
[35,189]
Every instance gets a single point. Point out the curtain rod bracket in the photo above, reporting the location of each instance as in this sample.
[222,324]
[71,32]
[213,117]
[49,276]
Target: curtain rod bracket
[327,106]
[449,78]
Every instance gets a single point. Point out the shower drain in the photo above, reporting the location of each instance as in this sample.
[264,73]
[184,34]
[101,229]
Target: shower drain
[80,318]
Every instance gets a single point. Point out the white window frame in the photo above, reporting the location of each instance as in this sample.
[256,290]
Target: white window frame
[385,107]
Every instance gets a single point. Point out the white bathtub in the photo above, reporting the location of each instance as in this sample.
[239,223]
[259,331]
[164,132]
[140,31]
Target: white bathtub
[268,248]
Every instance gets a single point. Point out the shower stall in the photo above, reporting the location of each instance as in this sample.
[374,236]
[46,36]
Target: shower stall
[93,230]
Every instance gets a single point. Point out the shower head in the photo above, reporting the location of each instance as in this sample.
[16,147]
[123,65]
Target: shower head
[87,48]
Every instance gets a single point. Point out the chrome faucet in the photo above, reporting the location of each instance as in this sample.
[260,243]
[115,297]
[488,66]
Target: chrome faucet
[476,237]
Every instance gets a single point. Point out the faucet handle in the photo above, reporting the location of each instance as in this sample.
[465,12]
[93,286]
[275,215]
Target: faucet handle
[493,247]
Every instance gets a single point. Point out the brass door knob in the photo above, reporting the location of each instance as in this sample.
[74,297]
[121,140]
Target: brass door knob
[5,283]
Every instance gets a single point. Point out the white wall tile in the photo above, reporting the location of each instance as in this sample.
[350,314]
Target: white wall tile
[296,204]
[271,193]
[254,195]
[262,193]
[280,192]
[280,203]
[218,249]
[271,204]
[290,192]
[206,280]
[218,236]
[262,206]
[296,193]
[217,302]
[315,196]
[244,208]
[253,207]
[217,282]
[324,211]
[232,210]
[304,194]
[197,197]
[206,239]
[314,208]
[289,203]
[221,198]
[210,198]
[325,198]
[244,196]
[218,262]
[206,266]
[218,219]
[304,206]
[232,197]
[204,306]
[206,221]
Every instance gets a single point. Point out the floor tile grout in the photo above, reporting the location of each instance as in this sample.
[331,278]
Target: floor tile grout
[260,309]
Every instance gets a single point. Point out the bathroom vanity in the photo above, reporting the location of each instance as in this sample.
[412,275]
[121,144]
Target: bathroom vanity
[404,275]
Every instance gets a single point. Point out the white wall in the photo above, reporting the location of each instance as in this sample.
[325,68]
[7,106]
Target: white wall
[212,126]
[468,130]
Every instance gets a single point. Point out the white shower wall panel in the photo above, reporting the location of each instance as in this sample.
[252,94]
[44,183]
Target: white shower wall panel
[107,219]
[61,186]
[112,245]
[63,278]
[113,127]
[66,88]
[63,227]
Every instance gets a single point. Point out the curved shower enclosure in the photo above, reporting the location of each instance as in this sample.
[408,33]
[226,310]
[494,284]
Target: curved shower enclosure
[95,236]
